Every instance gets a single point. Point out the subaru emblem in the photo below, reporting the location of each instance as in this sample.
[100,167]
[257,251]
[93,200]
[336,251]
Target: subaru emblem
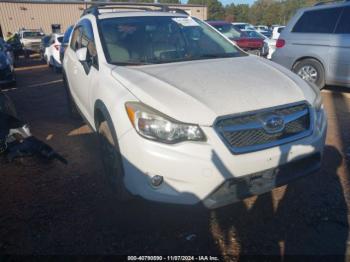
[273,124]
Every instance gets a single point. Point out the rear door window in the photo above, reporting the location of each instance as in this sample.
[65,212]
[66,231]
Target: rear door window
[318,21]
[344,22]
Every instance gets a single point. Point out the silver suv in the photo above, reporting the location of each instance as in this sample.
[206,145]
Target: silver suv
[316,44]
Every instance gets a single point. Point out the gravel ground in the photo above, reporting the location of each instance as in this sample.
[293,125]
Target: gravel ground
[51,208]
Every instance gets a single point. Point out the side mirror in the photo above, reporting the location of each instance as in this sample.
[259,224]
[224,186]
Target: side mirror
[81,54]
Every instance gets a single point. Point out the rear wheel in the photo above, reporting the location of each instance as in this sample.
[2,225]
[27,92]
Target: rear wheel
[48,61]
[312,71]
[56,69]
[112,161]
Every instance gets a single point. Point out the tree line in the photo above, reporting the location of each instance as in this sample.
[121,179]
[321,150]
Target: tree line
[266,12]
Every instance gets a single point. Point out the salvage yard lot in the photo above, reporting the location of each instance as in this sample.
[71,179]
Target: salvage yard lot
[52,208]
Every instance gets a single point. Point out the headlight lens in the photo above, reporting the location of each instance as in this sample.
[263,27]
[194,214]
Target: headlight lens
[154,125]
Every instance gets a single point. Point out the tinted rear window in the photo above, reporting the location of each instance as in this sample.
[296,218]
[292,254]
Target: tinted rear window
[344,23]
[318,21]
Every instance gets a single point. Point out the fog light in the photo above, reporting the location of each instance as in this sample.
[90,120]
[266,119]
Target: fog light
[156,180]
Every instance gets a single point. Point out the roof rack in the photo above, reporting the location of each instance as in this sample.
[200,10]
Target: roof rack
[95,7]
[330,2]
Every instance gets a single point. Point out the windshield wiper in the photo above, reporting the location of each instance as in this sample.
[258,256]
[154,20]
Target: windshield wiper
[205,56]
[130,63]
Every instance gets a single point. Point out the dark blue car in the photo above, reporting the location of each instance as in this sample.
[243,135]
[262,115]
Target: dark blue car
[65,41]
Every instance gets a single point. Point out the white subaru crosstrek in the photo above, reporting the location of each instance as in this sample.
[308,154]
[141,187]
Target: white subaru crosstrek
[183,115]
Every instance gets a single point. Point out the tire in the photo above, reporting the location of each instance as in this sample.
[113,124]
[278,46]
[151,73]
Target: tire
[49,60]
[56,69]
[112,161]
[72,108]
[312,71]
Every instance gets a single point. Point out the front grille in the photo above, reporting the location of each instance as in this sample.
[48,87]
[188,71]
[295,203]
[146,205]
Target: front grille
[251,132]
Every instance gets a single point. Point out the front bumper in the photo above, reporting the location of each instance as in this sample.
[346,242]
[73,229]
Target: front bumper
[236,189]
[208,173]
[35,48]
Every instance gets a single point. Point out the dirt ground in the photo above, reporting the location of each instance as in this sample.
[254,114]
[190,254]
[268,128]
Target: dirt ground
[51,208]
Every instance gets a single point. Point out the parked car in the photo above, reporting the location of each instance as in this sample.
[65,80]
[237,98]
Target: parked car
[273,26]
[254,45]
[16,45]
[183,115]
[30,40]
[7,75]
[7,49]
[6,105]
[52,52]
[270,43]
[7,108]
[263,29]
[65,42]
[256,35]
[243,26]
[277,31]
[316,44]
[43,45]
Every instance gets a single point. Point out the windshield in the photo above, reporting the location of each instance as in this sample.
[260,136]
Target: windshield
[32,34]
[228,30]
[162,39]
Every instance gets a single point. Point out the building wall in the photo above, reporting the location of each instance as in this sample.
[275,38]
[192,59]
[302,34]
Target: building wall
[36,15]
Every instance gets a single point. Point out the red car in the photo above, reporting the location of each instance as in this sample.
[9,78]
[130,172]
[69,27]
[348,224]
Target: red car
[249,44]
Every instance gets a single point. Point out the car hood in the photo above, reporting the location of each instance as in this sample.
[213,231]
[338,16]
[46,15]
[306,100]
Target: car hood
[200,91]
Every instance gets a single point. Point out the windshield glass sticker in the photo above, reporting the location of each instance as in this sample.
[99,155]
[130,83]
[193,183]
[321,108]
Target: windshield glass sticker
[185,21]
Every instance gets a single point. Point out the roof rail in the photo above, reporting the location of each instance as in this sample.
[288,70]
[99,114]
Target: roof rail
[95,7]
[330,2]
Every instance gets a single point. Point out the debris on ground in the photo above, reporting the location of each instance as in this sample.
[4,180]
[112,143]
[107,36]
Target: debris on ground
[16,141]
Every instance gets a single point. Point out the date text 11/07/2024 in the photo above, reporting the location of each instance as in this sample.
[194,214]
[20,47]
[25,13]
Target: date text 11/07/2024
[173,258]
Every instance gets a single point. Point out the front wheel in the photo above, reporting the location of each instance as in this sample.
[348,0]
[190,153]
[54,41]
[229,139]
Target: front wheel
[312,71]
[112,161]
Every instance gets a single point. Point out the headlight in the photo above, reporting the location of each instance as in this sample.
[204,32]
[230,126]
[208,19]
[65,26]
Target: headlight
[154,125]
